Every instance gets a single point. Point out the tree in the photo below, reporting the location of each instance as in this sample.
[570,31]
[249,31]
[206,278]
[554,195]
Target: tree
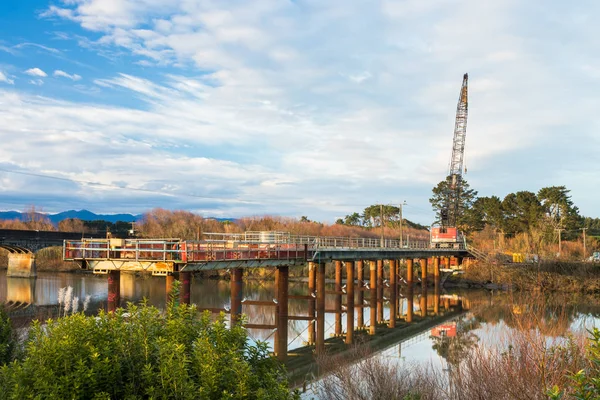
[373,214]
[444,197]
[353,219]
[558,207]
[71,225]
[35,220]
[522,211]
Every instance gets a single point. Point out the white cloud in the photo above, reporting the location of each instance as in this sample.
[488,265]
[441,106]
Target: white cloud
[4,78]
[36,72]
[36,82]
[73,77]
[272,88]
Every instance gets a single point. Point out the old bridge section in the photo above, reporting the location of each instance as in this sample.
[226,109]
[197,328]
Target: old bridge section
[22,245]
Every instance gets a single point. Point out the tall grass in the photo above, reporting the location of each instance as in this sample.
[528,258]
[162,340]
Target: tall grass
[528,361]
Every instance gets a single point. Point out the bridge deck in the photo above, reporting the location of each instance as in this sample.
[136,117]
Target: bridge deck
[252,249]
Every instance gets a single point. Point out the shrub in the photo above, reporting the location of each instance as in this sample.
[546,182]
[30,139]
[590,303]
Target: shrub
[585,384]
[141,353]
[7,342]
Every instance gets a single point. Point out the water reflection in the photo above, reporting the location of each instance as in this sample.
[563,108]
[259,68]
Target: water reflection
[412,304]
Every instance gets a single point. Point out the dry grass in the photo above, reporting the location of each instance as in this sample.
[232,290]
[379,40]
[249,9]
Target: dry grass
[524,363]
[552,276]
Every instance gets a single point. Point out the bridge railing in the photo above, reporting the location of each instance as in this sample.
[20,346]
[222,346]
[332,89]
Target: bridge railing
[132,249]
[226,246]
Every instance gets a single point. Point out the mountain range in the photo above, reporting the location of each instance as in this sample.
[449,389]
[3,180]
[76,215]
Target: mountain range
[83,215]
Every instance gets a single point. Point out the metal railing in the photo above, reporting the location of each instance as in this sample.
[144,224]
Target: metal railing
[227,246]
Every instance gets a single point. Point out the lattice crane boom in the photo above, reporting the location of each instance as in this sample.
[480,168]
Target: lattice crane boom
[458,151]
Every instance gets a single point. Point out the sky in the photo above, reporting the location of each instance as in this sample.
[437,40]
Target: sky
[292,107]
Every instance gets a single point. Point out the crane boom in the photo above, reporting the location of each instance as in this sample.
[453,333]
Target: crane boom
[458,152]
[460,130]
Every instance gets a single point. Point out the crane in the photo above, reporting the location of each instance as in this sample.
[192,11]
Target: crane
[458,153]
[447,234]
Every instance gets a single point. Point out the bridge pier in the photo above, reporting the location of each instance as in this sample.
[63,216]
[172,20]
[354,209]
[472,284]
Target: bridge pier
[360,277]
[379,291]
[169,280]
[373,296]
[393,292]
[409,272]
[320,342]
[338,298]
[21,265]
[410,305]
[114,290]
[184,291]
[282,286]
[311,301]
[236,295]
[423,301]
[349,302]
[423,272]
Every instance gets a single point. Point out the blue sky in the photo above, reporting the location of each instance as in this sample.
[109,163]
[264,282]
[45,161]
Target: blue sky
[317,108]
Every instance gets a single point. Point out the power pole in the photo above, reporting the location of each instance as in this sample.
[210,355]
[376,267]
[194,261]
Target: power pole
[559,240]
[584,245]
[381,222]
[401,221]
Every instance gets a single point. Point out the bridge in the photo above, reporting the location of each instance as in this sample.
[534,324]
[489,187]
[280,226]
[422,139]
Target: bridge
[22,244]
[279,250]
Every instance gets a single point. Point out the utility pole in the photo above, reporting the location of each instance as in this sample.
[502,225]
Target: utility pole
[559,240]
[584,245]
[381,222]
[401,222]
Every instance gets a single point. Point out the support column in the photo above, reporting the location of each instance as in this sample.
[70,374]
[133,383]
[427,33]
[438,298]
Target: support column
[338,298]
[186,283]
[410,305]
[447,262]
[379,291]
[436,298]
[114,290]
[393,293]
[423,303]
[436,282]
[349,302]
[423,272]
[169,280]
[373,296]
[236,295]
[320,348]
[281,282]
[360,276]
[311,302]
[409,272]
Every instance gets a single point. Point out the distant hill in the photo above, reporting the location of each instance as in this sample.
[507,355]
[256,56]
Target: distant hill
[83,215]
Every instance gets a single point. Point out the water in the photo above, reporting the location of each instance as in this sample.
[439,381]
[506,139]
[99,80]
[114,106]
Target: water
[485,319]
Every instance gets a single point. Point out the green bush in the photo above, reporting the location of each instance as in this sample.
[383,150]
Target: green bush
[585,384]
[7,342]
[141,353]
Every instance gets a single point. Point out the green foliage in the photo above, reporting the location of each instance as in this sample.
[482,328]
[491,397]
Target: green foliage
[585,384]
[141,353]
[444,197]
[7,342]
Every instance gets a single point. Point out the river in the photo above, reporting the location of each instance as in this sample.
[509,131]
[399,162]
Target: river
[486,317]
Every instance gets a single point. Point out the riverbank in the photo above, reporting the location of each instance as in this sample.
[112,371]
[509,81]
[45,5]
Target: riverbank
[550,276]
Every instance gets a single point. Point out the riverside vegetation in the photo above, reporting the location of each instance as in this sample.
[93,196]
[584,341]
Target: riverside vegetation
[138,353]
[539,357]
